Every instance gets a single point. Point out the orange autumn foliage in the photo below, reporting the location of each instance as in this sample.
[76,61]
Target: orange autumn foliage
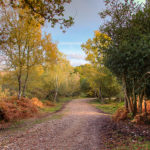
[147,106]
[37,102]
[121,114]
[14,109]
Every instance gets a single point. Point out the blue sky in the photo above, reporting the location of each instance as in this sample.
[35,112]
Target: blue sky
[87,20]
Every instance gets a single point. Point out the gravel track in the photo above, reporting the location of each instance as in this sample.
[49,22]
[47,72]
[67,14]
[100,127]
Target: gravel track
[78,129]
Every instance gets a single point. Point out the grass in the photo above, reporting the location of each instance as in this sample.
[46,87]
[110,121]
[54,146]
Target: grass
[110,107]
[52,109]
[135,146]
[58,105]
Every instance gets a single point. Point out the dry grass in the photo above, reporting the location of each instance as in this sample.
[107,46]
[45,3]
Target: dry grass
[121,114]
[12,109]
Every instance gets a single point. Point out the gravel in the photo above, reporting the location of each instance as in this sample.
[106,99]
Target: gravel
[78,129]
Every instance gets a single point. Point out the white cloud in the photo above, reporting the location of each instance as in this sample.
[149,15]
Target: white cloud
[76,59]
[76,56]
[77,62]
[70,43]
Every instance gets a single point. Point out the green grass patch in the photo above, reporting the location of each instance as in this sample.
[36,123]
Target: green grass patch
[55,108]
[135,146]
[107,108]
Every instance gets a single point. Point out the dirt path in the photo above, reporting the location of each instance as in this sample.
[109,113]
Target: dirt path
[78,129]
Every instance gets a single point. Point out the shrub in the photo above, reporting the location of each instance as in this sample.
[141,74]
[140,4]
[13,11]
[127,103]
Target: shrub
[121,114]
[141,119]
[14,109]
[37,102]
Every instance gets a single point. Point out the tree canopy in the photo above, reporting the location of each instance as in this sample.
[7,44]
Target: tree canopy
[128,53]
[49,10]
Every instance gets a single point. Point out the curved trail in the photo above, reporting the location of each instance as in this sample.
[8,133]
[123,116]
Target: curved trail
[78,129]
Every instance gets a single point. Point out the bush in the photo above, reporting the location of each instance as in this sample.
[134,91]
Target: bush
[141,118]
[121,114]
[37,102]
[13,109]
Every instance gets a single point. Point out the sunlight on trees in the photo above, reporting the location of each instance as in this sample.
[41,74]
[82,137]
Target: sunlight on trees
[102,82]
[42,11]
[29,55]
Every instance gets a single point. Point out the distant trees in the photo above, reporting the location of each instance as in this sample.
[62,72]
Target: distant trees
[49,82]
[101,80]
[60,80]
[98,82]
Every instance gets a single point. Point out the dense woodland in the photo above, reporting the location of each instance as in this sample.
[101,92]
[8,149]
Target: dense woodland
[32,65]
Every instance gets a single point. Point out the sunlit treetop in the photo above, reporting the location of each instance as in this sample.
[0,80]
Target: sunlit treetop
[47,10]
[94,48]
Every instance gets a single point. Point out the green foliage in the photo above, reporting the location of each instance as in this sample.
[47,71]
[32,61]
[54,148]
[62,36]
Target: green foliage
[101,81]
[92,79]
[111,107]
[128,53]
[52,109]
[135,146]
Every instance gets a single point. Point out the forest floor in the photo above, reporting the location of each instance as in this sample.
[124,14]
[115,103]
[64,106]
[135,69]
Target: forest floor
[79,126]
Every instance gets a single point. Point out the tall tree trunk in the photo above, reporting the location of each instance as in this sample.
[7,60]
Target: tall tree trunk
[19,75]
[19,87]
[135,109]
[19,82]
[126,103]
[129,108]
[27,72]
[55,98]
[100,95]
[145,107]
[25,84]
[134,100]
[56,89]
[140,101]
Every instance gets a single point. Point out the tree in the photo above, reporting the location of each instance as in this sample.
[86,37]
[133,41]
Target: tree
[98,82]
[100,78]
[94,48]
[24,47]
[129,45]
[60,80]
[50,10]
